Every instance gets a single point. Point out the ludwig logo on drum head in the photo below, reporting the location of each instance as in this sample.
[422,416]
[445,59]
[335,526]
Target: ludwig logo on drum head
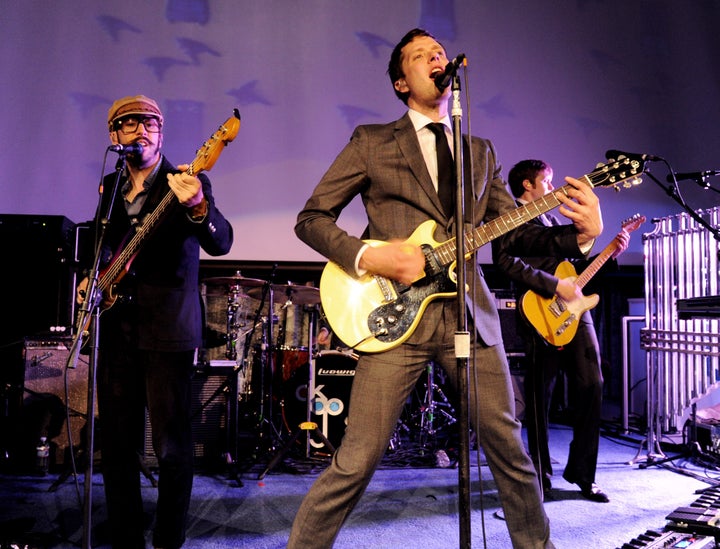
[331,372]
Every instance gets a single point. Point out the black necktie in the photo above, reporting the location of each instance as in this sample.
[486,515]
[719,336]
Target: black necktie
[446,177]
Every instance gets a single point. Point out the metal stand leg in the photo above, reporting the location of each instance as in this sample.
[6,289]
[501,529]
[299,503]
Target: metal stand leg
[436,412]
[654,429]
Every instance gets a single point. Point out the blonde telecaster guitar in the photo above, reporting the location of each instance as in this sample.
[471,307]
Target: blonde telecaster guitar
[373,313]
[555,319]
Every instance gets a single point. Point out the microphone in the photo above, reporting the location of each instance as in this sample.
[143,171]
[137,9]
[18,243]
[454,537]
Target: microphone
[442,79]
[132,148]
[612,153]
[695,176]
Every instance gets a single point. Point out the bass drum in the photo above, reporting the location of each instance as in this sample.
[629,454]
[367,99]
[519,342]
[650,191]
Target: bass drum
[334,373]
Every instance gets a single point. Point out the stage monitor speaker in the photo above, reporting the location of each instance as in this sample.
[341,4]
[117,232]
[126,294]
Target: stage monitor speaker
[209,419]
[45,370]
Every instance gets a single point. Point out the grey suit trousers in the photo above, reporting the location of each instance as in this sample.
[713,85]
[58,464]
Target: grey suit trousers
[381,386]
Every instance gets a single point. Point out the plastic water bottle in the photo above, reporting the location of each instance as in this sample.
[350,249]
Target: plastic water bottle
[42,461]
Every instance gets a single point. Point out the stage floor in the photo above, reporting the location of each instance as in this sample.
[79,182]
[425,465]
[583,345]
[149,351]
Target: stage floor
[409,503]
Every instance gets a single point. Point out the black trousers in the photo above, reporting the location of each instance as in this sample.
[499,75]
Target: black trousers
[580,361]
[128,381]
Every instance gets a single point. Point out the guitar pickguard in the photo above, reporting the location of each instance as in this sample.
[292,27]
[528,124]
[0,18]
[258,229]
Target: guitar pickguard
[391,321]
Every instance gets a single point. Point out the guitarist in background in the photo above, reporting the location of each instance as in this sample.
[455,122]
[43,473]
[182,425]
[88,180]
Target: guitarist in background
[393,168]
[580,359]
[149,335]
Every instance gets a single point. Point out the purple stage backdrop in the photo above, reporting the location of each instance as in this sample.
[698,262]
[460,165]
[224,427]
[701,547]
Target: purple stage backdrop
[563,81]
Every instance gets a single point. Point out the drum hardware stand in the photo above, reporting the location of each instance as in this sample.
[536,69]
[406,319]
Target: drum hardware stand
[306,426]
[267,433]
[265,391]
[434,413]
[431,410]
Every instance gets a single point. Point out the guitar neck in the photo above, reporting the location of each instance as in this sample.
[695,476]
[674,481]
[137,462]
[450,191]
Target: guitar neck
[628,225]
[446,252]
[598,262]
[149,223]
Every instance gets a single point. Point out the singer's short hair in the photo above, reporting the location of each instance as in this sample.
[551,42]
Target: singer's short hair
[395,65]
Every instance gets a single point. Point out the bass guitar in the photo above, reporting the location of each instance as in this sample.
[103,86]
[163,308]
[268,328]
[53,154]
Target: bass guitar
[204,160]
[556,319]
[372,313]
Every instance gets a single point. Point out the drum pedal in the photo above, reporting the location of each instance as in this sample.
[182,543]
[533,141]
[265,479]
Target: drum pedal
[304,426]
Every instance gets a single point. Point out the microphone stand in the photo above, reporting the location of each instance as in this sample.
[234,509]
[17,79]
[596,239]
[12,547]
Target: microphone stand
[673,192]
[462,336]
[91,308]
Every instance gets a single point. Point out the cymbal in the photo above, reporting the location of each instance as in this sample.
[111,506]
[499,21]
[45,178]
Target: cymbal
[234,281]
[299,295]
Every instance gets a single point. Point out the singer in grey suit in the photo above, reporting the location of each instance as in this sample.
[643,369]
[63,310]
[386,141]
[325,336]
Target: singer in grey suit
[391,167]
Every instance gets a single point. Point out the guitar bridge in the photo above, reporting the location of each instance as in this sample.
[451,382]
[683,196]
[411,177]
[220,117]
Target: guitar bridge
[564,326]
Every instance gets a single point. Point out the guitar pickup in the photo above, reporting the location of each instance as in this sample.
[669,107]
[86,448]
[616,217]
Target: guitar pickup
[432,265]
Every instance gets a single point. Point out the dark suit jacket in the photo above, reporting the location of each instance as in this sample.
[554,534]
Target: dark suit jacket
[537,271]
[164,313]
[384,165]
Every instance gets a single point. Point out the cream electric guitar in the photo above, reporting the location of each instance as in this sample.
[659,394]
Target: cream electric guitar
[373,313]
[555,319]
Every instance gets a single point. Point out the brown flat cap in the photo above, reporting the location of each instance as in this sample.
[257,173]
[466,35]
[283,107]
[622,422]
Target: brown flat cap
[133,104]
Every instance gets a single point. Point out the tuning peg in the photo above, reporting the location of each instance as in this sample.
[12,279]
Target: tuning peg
[632,182]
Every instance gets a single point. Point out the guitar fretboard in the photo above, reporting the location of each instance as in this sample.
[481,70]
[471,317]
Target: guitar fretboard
[446,252]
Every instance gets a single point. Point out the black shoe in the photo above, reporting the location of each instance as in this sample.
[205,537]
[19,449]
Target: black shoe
[546,484]
[593,492]
[589,490]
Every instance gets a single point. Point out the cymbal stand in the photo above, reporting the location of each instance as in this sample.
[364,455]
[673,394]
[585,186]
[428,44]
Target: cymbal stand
[308,425]
[230,386]
[434,414]
[310,401]
[266,431]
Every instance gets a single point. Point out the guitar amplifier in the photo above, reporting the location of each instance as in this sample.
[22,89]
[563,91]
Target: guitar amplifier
[209,419]
[507,310]
[45,375]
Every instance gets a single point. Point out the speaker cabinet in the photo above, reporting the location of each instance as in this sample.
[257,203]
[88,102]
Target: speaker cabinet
[507,310]
[44,394]
[209,419]
[37,275]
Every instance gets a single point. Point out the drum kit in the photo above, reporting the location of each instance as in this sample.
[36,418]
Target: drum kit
[267,333]
[265,338]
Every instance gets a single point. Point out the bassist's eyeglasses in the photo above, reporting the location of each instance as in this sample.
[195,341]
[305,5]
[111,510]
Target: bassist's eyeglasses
[130,124]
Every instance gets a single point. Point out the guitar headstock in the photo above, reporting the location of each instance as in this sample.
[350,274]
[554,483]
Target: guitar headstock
[211,149]
[633,223]
[625,169]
